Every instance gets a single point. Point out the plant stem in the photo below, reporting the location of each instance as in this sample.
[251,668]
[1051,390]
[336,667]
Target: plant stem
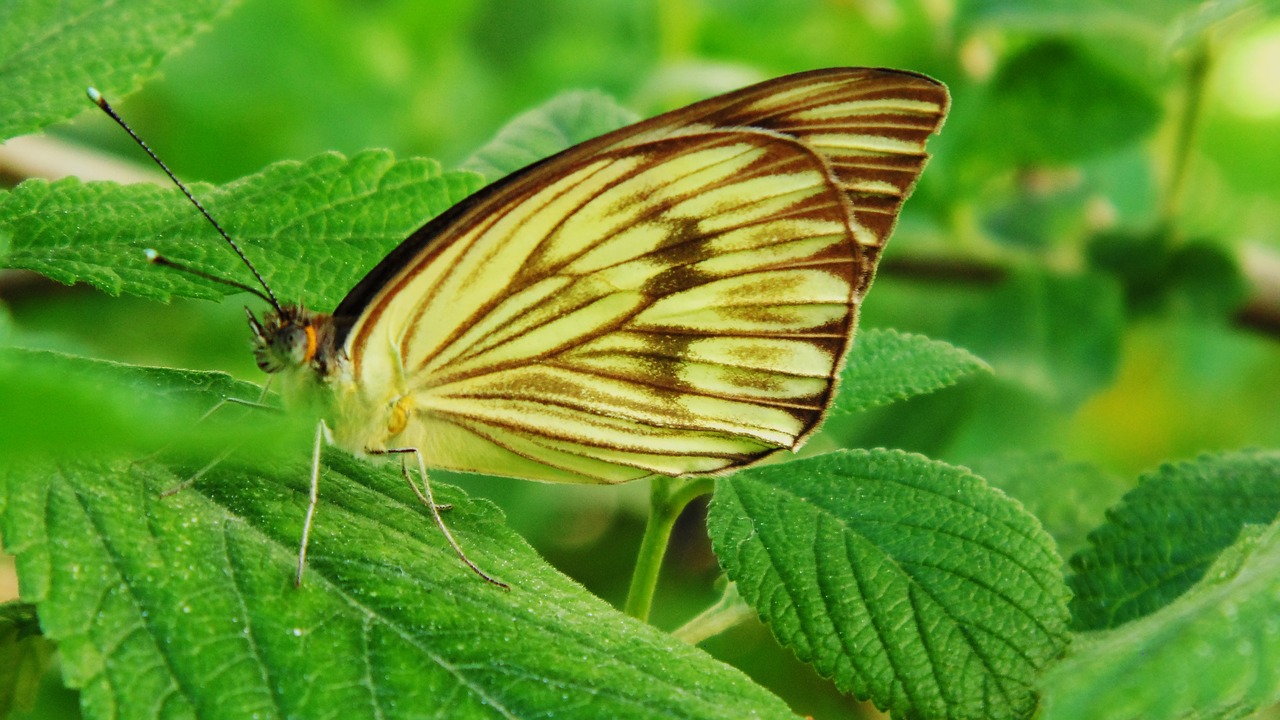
[728,611]
[1198,66]
[667,498]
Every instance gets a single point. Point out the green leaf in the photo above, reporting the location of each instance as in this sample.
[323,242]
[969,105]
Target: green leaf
[1068,497]
[906,580]
[1056,335]
[1038,214]
[6,322]
[886,365]
[358,208]
[558,124]
[1206,280]
[77,407]
[50,52]
[185,605]
[1029,91]
[1210,654]
[1199,278]
[1166,533]
[1168,26]
[24,656]
[1140,261]
[1131,18]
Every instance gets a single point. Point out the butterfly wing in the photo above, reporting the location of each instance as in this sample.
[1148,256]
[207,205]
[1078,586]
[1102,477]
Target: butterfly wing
[675,297]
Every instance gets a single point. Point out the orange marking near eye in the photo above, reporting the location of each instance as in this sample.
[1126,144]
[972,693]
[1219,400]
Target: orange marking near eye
[311,343]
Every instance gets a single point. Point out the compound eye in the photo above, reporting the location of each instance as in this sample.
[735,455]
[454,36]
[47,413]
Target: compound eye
[294,342]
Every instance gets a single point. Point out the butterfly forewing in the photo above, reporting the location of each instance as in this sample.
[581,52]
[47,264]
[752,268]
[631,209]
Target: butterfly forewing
[675,297]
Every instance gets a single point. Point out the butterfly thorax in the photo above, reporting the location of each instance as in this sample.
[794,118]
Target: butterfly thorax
[300,347]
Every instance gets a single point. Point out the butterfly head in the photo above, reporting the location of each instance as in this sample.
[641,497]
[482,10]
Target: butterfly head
[290,337]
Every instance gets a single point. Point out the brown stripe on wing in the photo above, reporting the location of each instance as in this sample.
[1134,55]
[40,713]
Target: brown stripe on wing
[608,401]
[576,429]
[486,241]
[464,343]
[675,258]
[749,357]
[671,374]
[870,126]
[605,464]
[872,135]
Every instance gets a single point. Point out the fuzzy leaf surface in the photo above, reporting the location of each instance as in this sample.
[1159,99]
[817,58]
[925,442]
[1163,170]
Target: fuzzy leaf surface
[65,406]
[1210,654]
[885,366]
[184,606]
[1167,532]
[50,52]
[560,123]
[905,580]
[357,208]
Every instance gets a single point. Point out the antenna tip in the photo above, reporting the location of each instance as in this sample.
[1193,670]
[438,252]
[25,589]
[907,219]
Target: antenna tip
[152,255]
[94,95]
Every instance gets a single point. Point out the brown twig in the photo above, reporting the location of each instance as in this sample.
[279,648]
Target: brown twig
[1260,266]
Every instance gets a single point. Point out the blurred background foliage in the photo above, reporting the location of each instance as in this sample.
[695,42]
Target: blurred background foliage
[1099,221]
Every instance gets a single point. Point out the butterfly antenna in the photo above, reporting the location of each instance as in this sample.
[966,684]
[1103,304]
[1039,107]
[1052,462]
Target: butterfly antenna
[270,296]
[156,258]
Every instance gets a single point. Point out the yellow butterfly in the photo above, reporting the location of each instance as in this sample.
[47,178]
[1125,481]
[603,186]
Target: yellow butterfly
[673,298]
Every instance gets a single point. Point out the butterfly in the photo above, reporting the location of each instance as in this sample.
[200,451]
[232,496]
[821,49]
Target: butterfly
[676,297]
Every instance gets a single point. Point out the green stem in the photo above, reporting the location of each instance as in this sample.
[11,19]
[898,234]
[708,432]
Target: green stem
[1198,67]
[667,499]
[729,610]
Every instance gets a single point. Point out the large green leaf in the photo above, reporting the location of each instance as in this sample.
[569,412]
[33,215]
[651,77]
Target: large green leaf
[1198,278]
[907,581]
[885,366]
[357,208]
[1066,105]
[1057,335]
[1211,654]
[1068,497]
[184,606]
[49,52]
[1164,536]
[558,124]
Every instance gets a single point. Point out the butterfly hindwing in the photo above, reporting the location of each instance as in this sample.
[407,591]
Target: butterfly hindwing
[675,297]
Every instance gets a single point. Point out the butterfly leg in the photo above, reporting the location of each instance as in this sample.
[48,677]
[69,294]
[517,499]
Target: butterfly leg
[198,474]
[258,404]
[424,494]
[312,499]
